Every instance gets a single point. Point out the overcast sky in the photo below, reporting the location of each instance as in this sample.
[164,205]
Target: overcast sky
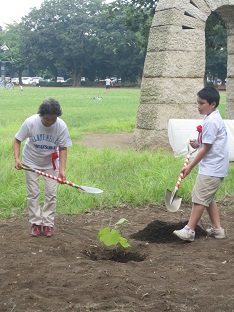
[13,10]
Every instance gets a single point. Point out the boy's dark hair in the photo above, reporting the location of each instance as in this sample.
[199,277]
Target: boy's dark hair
[210,94]
[50,106]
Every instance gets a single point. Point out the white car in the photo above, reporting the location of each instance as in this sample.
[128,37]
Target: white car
[60,79]
[27,81]
[15,81]
[36,79]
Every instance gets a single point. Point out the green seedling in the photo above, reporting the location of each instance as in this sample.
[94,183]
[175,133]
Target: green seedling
[113,237]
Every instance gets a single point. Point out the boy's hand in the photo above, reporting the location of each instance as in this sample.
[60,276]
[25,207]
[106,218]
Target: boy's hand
[194,143]
[186,171]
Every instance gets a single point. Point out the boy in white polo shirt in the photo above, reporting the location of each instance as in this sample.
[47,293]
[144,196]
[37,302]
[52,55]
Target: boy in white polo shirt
[47,139]
[213,160]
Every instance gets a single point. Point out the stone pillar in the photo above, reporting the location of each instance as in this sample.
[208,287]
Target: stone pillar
[174,68]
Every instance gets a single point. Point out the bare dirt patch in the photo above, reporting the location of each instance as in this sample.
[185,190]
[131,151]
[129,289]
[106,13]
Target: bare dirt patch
[72,271]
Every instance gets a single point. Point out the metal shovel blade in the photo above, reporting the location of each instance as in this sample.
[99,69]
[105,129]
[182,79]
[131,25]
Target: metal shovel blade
[91,190]
[172,202]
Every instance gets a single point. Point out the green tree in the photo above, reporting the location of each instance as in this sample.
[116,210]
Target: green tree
[117,52]
[122,40]
[2,36]
[216,48]
[13,37]
[61,35]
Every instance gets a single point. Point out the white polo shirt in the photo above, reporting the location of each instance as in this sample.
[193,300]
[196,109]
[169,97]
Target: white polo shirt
[216,161]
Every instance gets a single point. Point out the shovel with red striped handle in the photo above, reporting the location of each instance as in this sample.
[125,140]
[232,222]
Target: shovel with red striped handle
[86,189]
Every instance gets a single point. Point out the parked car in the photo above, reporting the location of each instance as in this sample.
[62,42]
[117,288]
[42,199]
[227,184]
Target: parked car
[69,82]
[115,79]
[36,79]
[28,81]
[15,81]
[60,79]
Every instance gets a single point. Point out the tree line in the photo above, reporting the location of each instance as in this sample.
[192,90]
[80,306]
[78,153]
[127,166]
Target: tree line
[89,38]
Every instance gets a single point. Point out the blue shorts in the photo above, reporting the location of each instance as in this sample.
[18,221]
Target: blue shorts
[107,86]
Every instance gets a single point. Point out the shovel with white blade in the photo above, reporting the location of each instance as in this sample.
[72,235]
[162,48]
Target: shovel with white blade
[173,202]
[86,189]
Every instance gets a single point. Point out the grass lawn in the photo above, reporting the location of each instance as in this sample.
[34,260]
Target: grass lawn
[115,112]
[125,176]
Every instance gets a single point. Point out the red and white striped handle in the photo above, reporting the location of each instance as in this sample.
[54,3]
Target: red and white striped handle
[54,178]
[82,188]
[181,173]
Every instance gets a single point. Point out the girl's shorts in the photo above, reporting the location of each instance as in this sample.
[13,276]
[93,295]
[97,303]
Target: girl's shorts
[204,189]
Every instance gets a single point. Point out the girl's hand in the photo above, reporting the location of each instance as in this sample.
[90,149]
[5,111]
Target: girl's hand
[18,164]
[62,177]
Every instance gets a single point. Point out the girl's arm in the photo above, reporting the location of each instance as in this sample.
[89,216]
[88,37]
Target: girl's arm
[16,147]
[62,163]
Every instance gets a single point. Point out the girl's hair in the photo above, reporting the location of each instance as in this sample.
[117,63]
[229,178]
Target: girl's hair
[210,94]
[50,106]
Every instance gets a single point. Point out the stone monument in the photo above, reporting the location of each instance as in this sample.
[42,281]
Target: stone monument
[175,66]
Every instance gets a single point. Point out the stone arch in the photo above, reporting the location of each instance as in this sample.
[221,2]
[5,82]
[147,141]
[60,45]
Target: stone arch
[175,66]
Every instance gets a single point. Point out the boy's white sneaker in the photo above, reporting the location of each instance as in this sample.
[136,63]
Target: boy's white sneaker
[216,233]
[185,234]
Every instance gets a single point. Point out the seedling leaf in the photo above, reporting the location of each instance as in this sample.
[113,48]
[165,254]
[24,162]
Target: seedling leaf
[109,237]
[103,232]
[123,242]
[113,237]
[120,222]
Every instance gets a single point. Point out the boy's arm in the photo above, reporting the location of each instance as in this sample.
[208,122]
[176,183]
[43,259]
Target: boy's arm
[202,152]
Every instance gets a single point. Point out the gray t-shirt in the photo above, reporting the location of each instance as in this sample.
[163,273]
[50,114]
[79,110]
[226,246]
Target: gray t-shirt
[42,141]
[215,163]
